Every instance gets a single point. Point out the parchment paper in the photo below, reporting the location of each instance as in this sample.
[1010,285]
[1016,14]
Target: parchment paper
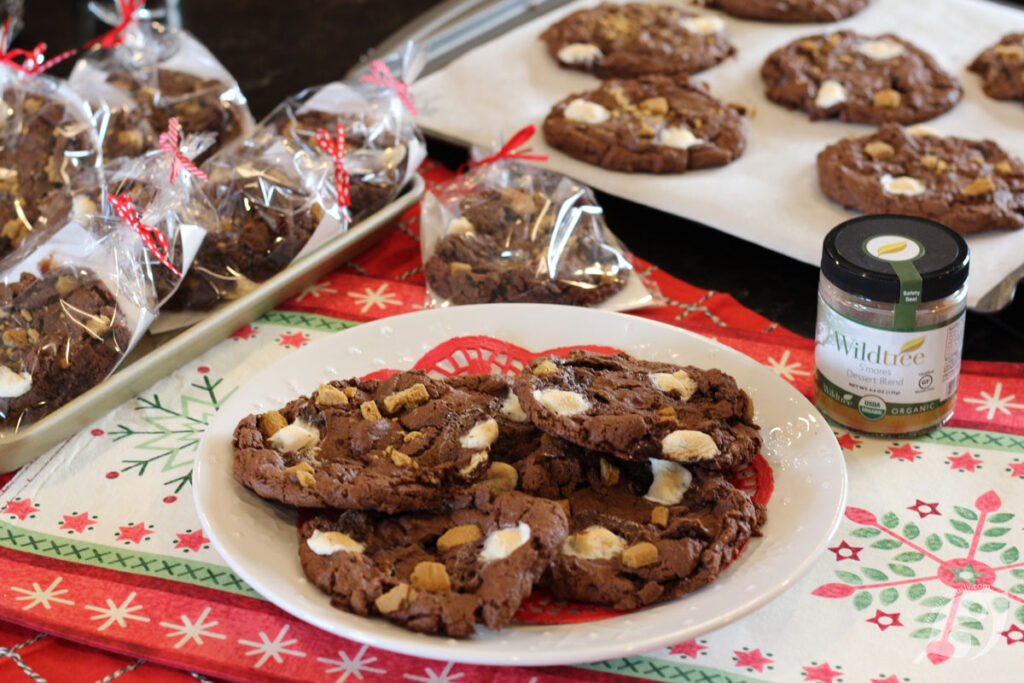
[770,195]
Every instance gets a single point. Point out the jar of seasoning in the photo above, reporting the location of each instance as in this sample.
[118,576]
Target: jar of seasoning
[890,329]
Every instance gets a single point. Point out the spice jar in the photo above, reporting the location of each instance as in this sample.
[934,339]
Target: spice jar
[890,329]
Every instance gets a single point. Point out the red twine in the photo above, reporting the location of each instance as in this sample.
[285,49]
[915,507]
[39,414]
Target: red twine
[513,149]
[154,240]
[336,148]
[115,36]
[380,75]
[170,142]
[33,62]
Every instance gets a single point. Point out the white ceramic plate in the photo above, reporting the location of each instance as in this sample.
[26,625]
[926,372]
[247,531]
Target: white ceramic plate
[258,539]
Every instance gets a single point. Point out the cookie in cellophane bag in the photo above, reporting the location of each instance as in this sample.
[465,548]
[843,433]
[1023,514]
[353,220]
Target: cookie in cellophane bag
[167,73]
[506,231]
[73,303]
[48,147]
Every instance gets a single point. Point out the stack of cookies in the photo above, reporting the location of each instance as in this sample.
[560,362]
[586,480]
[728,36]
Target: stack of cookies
[442,503]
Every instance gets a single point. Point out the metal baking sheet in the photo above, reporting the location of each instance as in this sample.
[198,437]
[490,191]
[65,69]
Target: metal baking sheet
[156,357]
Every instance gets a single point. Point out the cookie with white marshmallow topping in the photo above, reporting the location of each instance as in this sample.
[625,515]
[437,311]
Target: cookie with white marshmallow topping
[790,11]
[641,410]
[967,185]
[436,572]
[859,79]
[635,39]
[650,124]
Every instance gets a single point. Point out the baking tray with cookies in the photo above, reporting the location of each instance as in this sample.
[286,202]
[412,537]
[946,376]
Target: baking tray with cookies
[887,106]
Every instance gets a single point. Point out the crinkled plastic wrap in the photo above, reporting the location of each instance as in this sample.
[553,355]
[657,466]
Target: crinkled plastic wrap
[48,152]
[72,305]
[153,74]
[180,210]
[509,232]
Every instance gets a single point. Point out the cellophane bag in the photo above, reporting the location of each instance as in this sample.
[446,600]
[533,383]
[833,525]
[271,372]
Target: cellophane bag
[169,197]
[506,231]
[49,153]
[73,303]
[145,71]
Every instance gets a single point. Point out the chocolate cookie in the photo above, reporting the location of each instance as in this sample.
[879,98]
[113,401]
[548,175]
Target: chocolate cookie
[127,133]
[405,443]
[62,333]
[640,410]
[790,11]
[967,185]
[859,79]
[1002,68]
[523,245]
[651,124]
[196,101]
[635,39]
[435,572]
[639,533]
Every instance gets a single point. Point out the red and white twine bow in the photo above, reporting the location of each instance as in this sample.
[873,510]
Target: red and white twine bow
[154,240]
[32,62]
[170,142]
[381,75]
[115,36]
[513,149]
[336,148]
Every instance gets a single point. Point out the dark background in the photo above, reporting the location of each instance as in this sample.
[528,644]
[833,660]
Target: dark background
[278,47]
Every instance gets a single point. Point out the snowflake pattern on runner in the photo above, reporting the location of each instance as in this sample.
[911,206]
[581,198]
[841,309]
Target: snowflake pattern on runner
[188,630]
[957,598]
[167,443]
[316,290]
[117,614]
[351,666]
[43,596]
[266,648]
[995,402]
[444,676]
[375,298]
[786,369]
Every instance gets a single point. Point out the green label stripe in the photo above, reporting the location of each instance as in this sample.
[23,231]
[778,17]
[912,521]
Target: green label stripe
[306,321]
[130,561]
[910,294]
[976,438]
[651,669]
[838,394]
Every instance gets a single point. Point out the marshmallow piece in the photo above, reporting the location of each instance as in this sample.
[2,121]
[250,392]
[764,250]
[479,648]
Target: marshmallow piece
[704,25]
[678,137]
[688,445]
[579,53]
[904,185]
[503,542]
[481,435]
[830,94]
[474,462]
[678,381]
[584,111]
[13,383]
[671,480]
[567,403]
[511,409]
[295,437]
[594,543]
[461,225]
[921,130]
[330,542]
[881,49]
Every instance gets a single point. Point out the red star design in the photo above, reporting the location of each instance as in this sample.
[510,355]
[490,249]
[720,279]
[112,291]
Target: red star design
[296,340]
[690,648]
[1014,634]
[133,532]
[751,660]
[193,540]
[924,509]
[848,442]
[246,332]
[845,551]
[822,673]
[1017,469]
[888,679]
[20,508]
[904,452]
[884,620]
[77,523]
[964,462]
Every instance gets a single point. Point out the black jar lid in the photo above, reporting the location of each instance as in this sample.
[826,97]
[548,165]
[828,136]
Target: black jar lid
[858,256]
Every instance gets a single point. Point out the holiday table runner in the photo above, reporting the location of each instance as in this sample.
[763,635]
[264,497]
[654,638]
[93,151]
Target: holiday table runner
[100,543]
